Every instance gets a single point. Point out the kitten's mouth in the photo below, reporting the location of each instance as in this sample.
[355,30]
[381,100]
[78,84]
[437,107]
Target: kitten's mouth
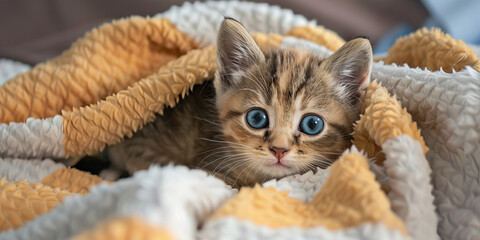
[278,169]
[278,164]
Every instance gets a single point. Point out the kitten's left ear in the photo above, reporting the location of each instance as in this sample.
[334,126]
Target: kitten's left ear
[351,65]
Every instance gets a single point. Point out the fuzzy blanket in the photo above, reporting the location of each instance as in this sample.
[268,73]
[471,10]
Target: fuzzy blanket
[113,80]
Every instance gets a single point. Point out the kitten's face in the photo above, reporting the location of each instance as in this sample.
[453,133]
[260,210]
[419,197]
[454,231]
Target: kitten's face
[286,111]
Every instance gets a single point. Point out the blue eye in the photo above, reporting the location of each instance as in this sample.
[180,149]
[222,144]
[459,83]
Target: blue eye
[257,118]
[311,125]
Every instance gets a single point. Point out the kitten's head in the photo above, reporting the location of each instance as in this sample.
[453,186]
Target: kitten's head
[287,111]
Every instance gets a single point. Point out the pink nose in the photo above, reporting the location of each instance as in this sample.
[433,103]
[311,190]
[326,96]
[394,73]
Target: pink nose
[279,153]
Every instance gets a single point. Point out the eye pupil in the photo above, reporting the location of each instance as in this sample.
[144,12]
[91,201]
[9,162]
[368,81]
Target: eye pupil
[257,118]
[311,125]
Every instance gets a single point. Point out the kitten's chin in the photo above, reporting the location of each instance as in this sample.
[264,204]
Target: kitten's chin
[278,170]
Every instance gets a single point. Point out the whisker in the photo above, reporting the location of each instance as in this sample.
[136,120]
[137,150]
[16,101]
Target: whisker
[228,159]
[254,166]
[214,153]
[325,152]
[266,176]
[232,161]
[236,166]
[304,169]
[239,159]
[206,120]
[241,173]
[223,141]
[226,156]
[224,147]
[322,161]
[311,167]
[255,175]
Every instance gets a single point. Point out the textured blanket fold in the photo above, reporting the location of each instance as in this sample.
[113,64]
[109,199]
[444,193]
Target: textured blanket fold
[105,61]
[112,81]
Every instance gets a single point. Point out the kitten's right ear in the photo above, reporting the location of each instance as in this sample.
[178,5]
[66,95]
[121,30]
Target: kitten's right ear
[236,51]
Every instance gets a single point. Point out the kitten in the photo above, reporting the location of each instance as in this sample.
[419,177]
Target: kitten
[266,115]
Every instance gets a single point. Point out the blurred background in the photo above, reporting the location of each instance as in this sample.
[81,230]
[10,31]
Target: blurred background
[33,31]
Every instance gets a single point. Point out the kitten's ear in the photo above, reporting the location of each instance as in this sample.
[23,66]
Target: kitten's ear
[351,65]
[236,51]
